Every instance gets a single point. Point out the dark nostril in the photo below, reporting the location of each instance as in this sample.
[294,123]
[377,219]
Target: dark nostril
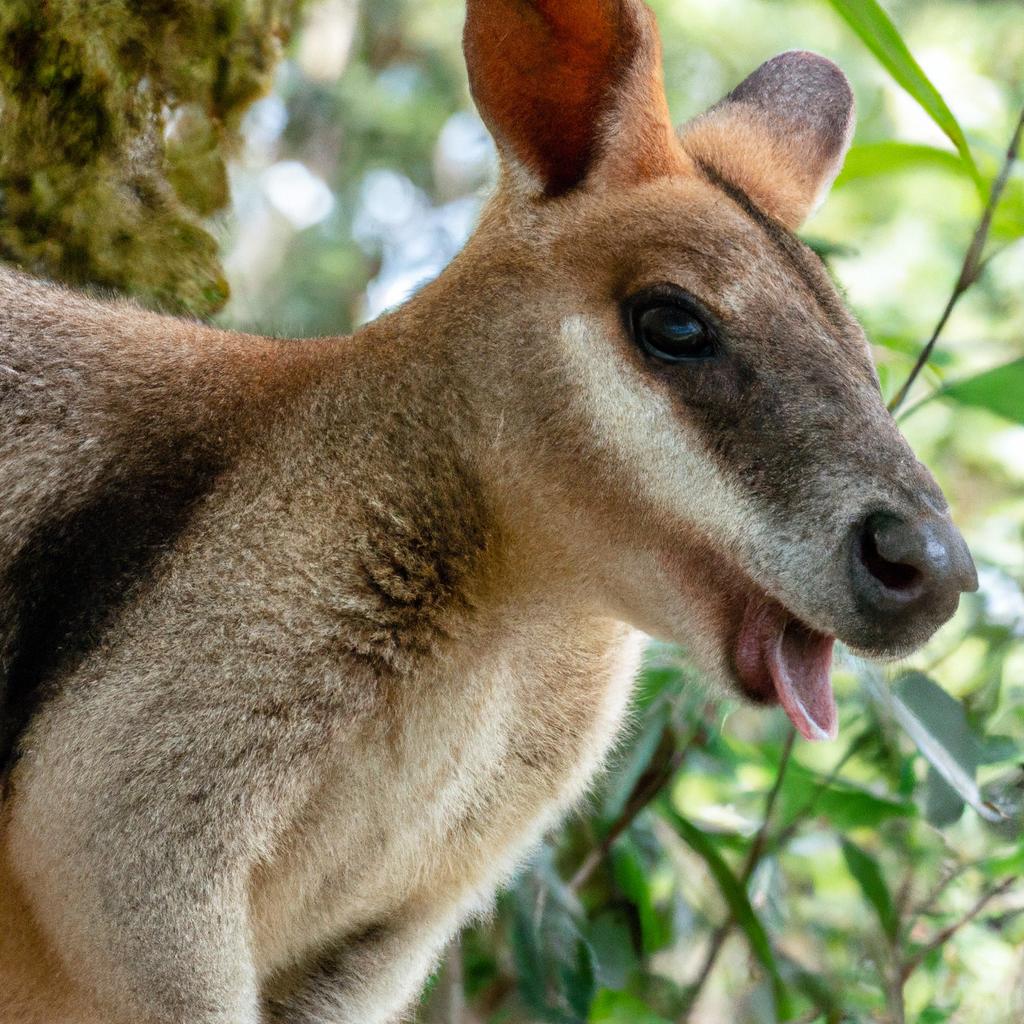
[892,560]
[886,559]
[908,574]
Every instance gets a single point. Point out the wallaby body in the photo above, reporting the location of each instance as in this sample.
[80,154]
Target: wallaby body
[415,696]
[306,643]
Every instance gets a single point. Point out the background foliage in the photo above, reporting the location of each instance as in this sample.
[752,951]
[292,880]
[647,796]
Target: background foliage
[722,870]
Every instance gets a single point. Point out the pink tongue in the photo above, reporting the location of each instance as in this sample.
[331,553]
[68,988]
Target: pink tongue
[775,651]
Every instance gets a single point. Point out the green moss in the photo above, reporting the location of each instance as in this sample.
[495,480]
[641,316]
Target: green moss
[116,118]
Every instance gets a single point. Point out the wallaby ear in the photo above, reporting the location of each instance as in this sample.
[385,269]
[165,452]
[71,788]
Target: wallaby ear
[550,76]
[780,135]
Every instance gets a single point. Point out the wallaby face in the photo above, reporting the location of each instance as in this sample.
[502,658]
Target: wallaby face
[304,644]
[699,398]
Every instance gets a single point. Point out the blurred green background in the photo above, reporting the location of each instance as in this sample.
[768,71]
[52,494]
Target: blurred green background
[721,872]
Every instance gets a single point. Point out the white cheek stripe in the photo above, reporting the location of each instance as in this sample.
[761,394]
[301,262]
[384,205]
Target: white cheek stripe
[667,456]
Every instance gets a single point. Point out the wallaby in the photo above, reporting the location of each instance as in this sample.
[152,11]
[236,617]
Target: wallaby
[306,643]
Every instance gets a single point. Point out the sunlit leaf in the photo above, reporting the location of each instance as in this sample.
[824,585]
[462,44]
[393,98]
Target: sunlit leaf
[911,348]
[871,159]
[620,1008]
[1000,390]
[876,30]
[935,1015]
[868,876]
[845,804]
[1004,864]
[1008,222]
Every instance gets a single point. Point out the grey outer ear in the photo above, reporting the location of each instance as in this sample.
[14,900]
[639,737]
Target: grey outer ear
[780,135]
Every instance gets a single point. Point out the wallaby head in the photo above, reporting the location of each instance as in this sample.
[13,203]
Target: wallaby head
[684,400]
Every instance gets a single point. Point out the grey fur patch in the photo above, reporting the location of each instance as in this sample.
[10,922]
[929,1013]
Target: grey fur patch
[804,93]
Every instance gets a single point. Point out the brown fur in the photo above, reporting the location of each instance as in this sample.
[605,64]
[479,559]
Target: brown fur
[307,643]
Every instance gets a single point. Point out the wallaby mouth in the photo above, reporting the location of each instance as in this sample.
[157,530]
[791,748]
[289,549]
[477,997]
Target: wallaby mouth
[780,658]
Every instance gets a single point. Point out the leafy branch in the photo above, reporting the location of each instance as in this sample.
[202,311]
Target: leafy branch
[753,858]
[972,266]
[667,759]
[992,892]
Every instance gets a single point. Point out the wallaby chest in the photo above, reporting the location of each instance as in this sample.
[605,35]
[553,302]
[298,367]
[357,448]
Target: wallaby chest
[419,819]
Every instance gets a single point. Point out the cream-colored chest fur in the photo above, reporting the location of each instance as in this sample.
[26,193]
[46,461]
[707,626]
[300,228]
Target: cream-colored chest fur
[414,825]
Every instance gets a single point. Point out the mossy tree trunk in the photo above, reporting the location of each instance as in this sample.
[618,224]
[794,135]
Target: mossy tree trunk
[116,118]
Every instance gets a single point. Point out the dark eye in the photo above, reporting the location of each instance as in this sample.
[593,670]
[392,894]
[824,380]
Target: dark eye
[671,332]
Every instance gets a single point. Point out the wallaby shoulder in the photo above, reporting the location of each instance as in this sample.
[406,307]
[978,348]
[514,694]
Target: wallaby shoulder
[115,423]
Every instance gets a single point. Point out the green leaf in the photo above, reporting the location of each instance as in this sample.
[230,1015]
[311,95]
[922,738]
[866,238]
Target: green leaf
[813,985]
[555,970]
[1008,222]
[868,875]
[1000,390]
[619,1008]
[845,804]
[945,719]
[995,749]
[909,347]
[880,35]
[610,932]
[934,1015]
[657,680]
[636,762]
[1006,794]
[632,878]
[959,776]
[1003,865]
[882,158]
[735,895]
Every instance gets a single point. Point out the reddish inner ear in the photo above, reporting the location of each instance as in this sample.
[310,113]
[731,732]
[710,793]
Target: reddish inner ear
[542,73]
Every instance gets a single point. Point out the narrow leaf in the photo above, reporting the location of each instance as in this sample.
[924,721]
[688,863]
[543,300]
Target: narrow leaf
[877,158]
[868,876]
[636,762]
[555,971]
[927,743]
[944,717]
[876,30]
[1003,865]
[735,895]
[844,803]
[633,880]
[1000,390]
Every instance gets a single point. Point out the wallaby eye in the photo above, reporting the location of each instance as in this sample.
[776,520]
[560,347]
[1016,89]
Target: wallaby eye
[668,329]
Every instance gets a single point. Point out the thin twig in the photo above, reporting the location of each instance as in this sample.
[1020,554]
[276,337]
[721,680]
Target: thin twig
[811,805]
[972,264]
[947,933]
[757,847]
[949,877]
[894,996]
[903,896]
[753,858]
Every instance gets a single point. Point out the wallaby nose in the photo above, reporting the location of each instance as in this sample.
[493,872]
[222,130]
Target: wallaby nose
[910,566]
